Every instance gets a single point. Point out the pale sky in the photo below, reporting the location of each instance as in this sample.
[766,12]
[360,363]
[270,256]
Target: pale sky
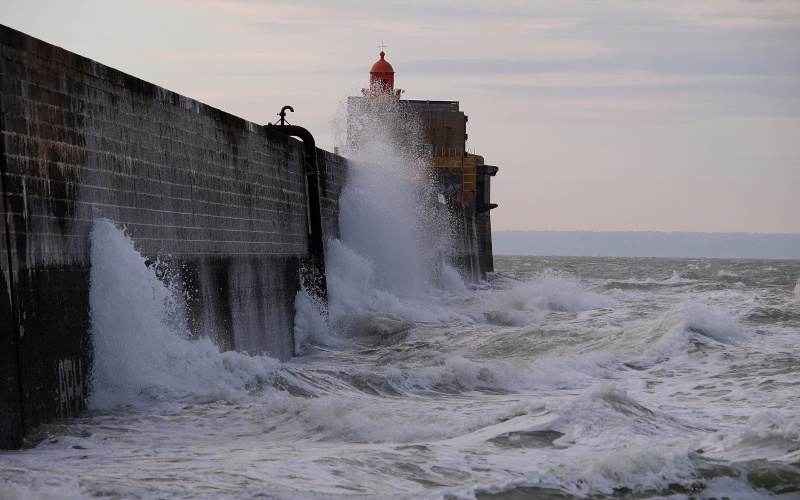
[674,115]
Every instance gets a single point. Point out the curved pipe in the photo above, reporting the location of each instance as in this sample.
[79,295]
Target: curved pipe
[314,281]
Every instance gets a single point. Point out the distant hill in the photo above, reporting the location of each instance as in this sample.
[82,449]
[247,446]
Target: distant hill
[647,244]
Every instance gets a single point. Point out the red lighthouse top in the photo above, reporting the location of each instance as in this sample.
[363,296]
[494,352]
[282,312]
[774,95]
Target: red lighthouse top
[381,78]
[382,68]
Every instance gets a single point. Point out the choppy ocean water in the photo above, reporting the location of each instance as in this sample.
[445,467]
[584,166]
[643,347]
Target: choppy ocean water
[558,378]
[561,377]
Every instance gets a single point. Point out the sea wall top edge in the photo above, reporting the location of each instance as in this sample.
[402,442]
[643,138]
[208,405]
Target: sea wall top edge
[24,42]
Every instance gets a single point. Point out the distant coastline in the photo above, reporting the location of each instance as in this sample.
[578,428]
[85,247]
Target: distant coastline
[647,244]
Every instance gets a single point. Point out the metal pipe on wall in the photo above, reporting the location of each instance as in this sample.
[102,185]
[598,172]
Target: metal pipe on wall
[314,279]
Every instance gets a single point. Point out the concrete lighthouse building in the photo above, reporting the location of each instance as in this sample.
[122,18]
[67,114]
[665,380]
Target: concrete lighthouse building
[436,131]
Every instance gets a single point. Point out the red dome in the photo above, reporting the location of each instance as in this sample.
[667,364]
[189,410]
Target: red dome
[382,66]
[381,79]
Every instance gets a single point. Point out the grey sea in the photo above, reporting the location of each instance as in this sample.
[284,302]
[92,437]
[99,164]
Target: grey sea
[558,378]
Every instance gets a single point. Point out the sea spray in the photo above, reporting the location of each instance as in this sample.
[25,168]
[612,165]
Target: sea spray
[531,301]
[389,212]
[358,308]
[142,348]
[676,332]
[392,255]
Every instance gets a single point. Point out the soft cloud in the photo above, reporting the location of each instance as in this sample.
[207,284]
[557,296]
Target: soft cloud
[233,56]
[620,114]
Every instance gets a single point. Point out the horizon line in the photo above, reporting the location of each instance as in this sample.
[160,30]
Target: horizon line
[639,231]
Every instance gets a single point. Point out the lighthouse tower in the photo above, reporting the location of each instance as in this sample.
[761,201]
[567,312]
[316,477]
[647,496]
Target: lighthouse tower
[381,79]
[436,133]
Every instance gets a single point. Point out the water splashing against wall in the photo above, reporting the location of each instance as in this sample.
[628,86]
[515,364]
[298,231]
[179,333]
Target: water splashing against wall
[142,346]
[391,258]
[389,210]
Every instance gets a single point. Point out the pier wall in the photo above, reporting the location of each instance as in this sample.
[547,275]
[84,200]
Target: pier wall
[220,199]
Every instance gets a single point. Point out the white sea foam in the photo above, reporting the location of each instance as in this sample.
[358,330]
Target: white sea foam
[443,345]
[644,468]
[41,488]
[358,306]
[378,420]
[767,436]
[529,303]
[141,347]
[452,282]
[652,341]
[675,279]
[713,322]
[440,401]
[311,325]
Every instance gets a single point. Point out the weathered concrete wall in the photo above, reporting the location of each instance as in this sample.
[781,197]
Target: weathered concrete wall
[219,197]
[483,225]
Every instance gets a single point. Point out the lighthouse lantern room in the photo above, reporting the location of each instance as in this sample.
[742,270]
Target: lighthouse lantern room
[381,79]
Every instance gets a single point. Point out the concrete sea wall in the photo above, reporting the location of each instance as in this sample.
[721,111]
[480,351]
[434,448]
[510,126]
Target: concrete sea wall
[221,199]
